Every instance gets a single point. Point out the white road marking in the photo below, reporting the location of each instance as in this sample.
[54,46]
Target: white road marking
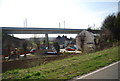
[97,70]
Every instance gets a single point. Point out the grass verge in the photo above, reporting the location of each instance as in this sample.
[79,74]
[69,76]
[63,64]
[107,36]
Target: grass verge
[66,68]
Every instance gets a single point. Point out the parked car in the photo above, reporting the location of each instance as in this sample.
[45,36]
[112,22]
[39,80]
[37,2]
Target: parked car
[51,53]
[32,51]
[73,47]
[70,49]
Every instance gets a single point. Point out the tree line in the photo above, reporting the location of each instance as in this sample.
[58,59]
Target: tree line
[112,24]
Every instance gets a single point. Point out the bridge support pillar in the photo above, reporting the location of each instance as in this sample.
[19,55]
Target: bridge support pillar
[46,40]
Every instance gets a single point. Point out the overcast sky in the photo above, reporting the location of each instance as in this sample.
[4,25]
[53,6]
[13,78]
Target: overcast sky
[77,14]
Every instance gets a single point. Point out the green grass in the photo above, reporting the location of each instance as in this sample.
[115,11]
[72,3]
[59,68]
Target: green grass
[43,42]
[67,68]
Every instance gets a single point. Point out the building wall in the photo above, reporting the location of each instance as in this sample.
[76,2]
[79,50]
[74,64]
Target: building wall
[88,44]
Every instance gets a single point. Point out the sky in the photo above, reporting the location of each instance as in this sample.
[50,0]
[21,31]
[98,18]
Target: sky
[77,14]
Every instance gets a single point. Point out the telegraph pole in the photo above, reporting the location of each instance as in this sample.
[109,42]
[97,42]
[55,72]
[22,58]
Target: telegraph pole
[94,26]
[59,25]
[64,24]
[25,22]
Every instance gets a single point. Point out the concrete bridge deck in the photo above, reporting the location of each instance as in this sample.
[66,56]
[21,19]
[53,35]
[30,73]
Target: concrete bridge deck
[29,30]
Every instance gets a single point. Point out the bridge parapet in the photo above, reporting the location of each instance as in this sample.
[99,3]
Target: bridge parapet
[21,30]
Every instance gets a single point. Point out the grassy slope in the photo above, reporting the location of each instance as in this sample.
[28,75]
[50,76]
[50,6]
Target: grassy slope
[66,68]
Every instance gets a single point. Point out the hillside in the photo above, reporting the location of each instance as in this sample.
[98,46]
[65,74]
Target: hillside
[67,68]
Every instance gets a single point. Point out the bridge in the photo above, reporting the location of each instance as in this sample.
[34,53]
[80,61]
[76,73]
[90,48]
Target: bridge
[21,30]
[46,31]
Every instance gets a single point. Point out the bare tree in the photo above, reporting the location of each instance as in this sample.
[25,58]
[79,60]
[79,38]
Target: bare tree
[82,39]
[57,47]
[106,37]
[25,48]
[37,42]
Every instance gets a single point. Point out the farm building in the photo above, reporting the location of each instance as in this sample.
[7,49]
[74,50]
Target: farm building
[85,41]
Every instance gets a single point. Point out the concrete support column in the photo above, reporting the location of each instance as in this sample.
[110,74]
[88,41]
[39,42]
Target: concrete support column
[46,40]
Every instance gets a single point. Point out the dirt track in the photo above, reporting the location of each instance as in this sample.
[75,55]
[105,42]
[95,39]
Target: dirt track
[27,63]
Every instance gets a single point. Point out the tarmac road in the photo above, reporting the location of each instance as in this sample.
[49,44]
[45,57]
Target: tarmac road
[109,72]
